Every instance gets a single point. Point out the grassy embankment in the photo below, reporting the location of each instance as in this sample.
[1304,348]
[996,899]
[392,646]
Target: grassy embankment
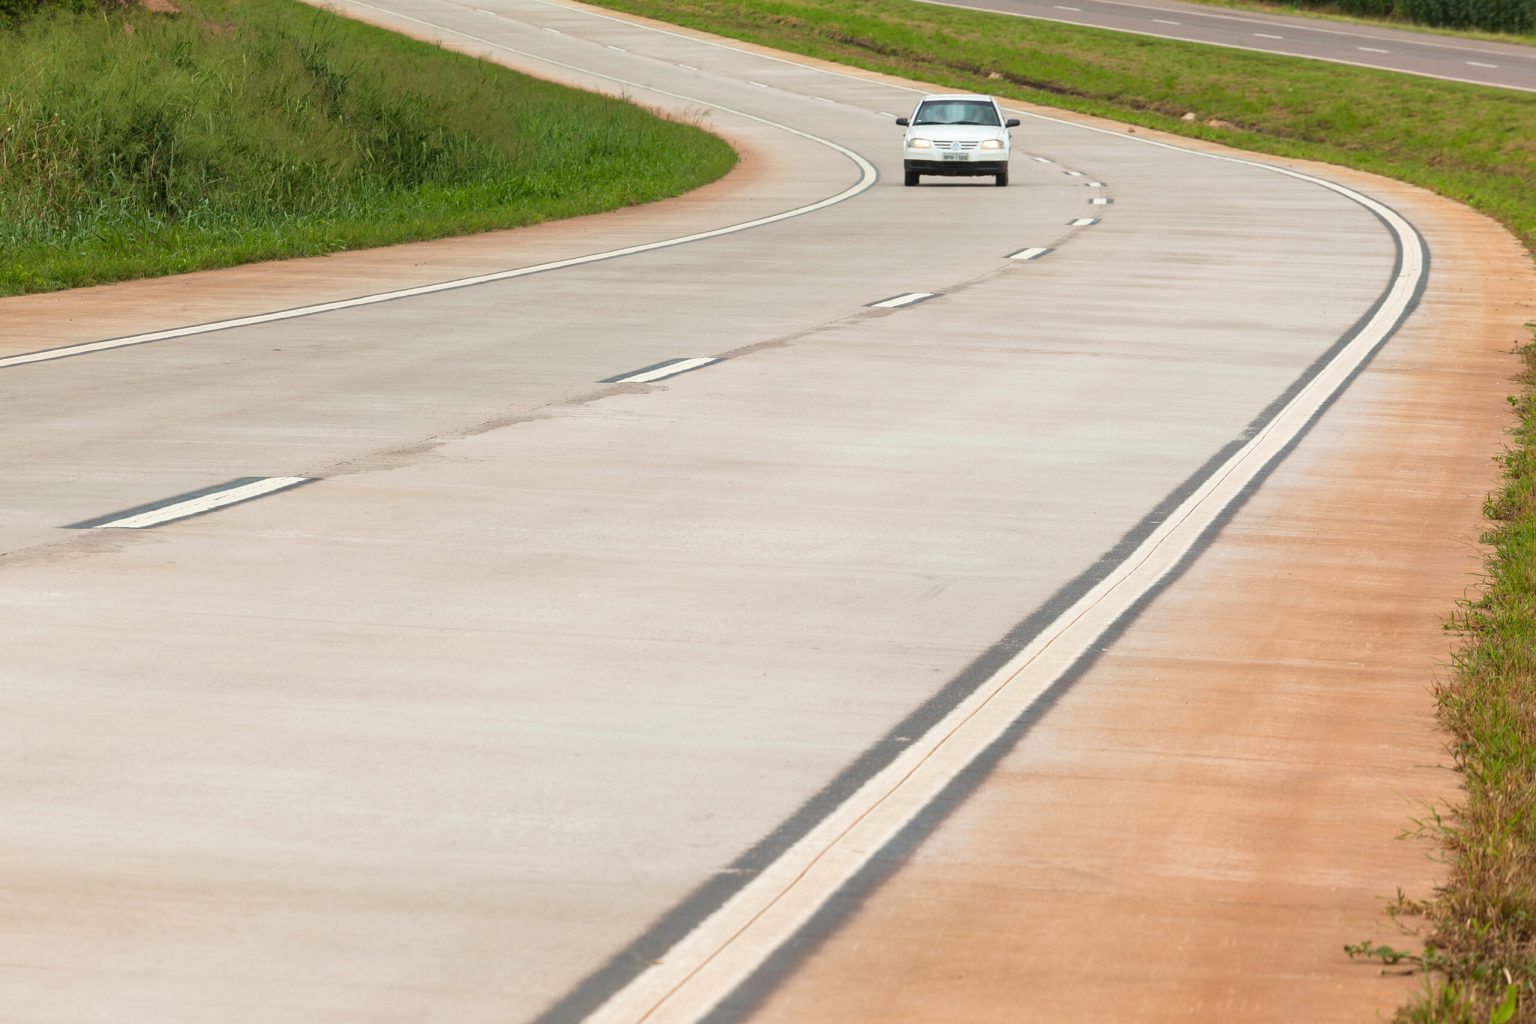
[1473,144]
[134,144]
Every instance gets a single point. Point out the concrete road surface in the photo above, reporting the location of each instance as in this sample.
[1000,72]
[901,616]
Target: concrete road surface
[543,694]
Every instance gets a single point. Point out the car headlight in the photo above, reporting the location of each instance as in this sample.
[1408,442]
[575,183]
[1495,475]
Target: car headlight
[919,144]
[992,144]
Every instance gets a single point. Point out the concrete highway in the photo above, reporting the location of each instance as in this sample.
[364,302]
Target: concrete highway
[1455,59]
[541,681]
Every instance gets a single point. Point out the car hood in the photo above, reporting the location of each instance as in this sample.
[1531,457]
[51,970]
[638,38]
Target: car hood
[955,132]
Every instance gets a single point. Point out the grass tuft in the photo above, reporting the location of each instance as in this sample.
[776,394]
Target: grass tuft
[135,144]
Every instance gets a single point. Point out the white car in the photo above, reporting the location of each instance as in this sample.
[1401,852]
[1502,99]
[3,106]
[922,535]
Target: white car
[962,134]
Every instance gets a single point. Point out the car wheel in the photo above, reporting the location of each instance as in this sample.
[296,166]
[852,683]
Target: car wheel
[911,178]
[1002,179]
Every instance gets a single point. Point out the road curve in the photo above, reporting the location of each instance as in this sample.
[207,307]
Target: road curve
[1451,58]
[531,663]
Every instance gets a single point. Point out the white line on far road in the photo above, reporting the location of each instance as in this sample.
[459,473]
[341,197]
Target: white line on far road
[1266,35]
[200,504]
[1371,49]
[1028,254]
[1059,7]
[1480,64]
[1163,21]
[667,370]
[1083,222]
[897,301]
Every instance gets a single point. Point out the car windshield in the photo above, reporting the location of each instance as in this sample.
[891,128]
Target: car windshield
[957,112]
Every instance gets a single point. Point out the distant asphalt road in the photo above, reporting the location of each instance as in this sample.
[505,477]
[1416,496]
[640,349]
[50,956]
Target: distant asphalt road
[1505,65]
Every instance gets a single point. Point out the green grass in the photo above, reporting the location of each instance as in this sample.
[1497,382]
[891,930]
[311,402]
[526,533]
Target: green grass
[134,144]
[1473,144]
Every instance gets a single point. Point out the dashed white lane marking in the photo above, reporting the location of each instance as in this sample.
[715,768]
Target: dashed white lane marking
[906,299]
[1096,184]
[1083,222]
[688,67]
[1028,254]
[1371,49]
[1078,10]
[884,113]
[760,85]
[1164,21]
[1044,160]
[1075,174]
[1480,64]
[1100,201]
[867,178]
[232,493]
[617,49]
[552,31]
[1266,35]
[669,369]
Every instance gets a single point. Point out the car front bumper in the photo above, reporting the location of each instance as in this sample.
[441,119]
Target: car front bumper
[955,168]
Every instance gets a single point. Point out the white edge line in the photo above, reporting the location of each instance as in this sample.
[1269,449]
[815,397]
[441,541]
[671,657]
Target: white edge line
[669,370]
[206,503]
[1083,222]
[708,963]
[719,954]
[867,178]
[1029,254]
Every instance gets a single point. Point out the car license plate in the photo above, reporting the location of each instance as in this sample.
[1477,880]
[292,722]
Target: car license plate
[957,156]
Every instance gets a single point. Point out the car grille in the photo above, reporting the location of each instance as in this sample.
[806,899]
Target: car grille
[956,145]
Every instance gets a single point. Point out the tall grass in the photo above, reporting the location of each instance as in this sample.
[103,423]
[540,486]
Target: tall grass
[135,144]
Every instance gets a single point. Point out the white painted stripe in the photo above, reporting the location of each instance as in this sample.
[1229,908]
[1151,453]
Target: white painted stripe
[205,503]
[617,49]
[706,965]
[1028,254]
[1075,174]
[1164,21]
[669,370]
[1266,35]
[1480,64]
[901,300]
[552,31]
[1044,160]
[1098,201]
[867,178]
[1083,222]
[1096,184]
[1060,7]
[688,67]
[1371,49]
[760,85]
[884,113]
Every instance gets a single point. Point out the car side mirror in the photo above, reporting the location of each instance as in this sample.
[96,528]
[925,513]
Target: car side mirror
[1012,122]
[902,121]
